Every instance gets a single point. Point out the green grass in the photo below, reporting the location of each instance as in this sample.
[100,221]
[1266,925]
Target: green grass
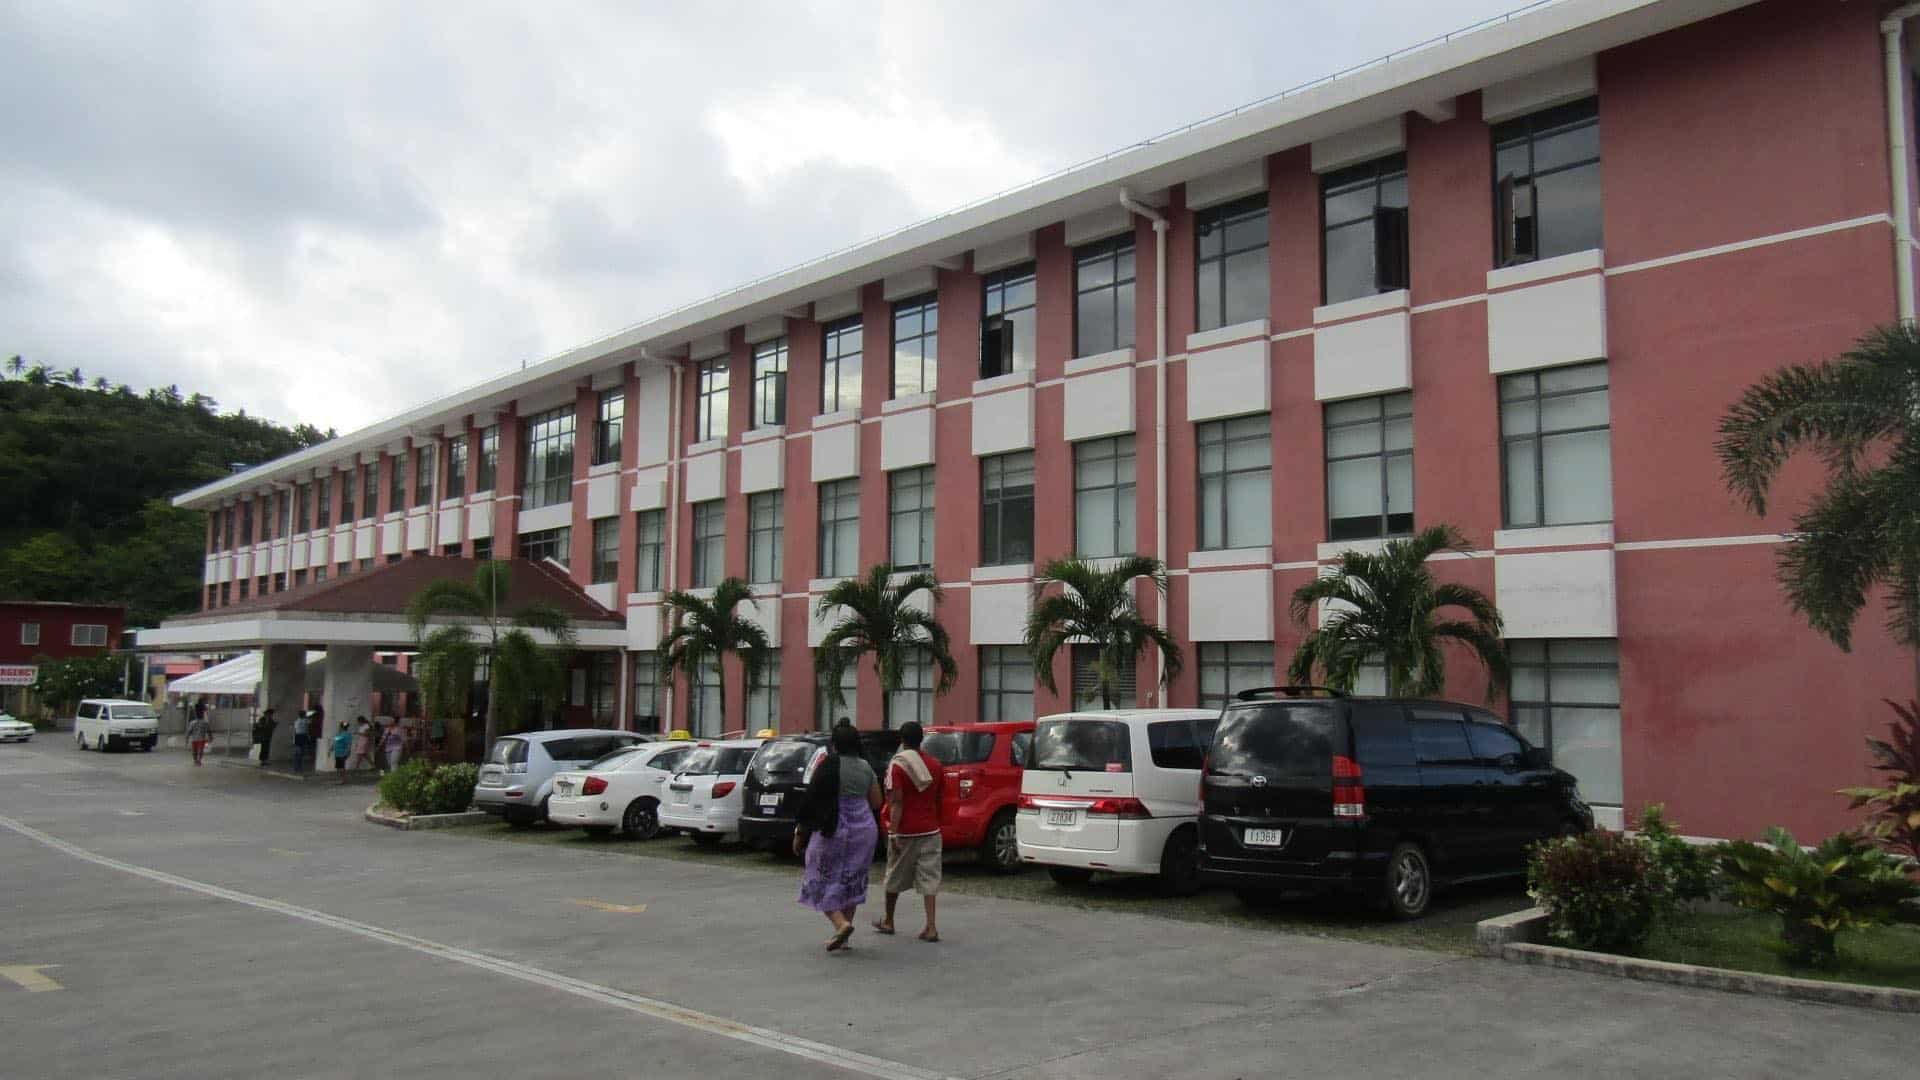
[1447,927]
[1884,956]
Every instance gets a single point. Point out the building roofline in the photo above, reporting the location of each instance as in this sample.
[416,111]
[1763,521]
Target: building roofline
[1532,38]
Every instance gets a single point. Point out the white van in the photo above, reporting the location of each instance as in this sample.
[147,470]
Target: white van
[1117,791]
[113,724]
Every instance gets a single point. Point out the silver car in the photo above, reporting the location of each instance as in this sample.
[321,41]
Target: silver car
[517,776]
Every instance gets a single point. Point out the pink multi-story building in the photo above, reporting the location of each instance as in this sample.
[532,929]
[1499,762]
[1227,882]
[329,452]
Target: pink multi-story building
[1509,281]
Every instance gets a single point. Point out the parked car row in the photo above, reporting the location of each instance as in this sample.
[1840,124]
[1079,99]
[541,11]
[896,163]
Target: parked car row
[1285,789]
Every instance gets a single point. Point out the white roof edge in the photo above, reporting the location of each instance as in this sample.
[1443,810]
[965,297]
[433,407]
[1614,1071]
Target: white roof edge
[1531,39]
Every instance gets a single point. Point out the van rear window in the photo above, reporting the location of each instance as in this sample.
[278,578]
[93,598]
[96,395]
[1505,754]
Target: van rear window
[1281,739]
[1094,745]
[784,758]
[958,747]
[507,752]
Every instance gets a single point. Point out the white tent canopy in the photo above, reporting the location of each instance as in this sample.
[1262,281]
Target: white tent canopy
[240,677]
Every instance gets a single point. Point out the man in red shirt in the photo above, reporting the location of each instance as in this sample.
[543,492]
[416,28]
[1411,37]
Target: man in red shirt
[913,828]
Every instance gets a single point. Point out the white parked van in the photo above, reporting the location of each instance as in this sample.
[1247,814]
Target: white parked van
[113,724]
[1117,791]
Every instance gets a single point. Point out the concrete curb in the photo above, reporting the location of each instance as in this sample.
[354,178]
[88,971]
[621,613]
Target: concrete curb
[393,819]
[1491,936]
[1887,998]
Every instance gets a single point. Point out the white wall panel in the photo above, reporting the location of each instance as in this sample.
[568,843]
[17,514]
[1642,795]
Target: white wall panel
[1540,90]
[416,532]
[557,516]
[1388,136]
[1003,421]
[836,452]
[906,439]
[643,627]
[1556,594]
[1229,381]
[450,525]
[603,495]
[706,477]
[1230,605]
[363,547]
[1227,184]
[1365,356]
[649,416]
[998,613]
[763,466]
[1099,403]
[1540,326]
[480,520]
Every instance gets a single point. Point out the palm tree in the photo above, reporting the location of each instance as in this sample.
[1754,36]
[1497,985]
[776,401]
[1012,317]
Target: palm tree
[1387,608]
[100,384]
[1860,413]
[1097,607]
[704,630]
[877,617]
[16,365]
[519,667]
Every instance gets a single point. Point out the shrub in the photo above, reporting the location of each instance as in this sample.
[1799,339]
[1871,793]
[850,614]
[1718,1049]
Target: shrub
[450,789]
[402,788]
[1600,889]
[1893,811]
[1844,884]
[1686,872]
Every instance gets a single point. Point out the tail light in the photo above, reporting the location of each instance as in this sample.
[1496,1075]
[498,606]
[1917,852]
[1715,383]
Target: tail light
[594,785]
[1027,803]
[1128,807]
[1104,805]
[723,789]
[965,785]
[1349,796]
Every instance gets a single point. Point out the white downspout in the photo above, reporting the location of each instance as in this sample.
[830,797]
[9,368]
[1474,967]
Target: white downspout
[672,552]
[1892,28]
[1159,400]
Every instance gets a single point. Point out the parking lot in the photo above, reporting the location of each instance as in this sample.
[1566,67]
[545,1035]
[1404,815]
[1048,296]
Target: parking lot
[214,922]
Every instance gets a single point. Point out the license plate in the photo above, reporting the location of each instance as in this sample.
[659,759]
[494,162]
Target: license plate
[769,802]
[1062,817]
[682,798]
[1264,837]
[563,789]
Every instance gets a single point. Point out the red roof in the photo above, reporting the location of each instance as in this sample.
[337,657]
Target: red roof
[386,590]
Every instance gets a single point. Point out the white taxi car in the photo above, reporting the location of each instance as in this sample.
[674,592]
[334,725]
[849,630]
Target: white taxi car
[12,730]
[704,796]
[622,790]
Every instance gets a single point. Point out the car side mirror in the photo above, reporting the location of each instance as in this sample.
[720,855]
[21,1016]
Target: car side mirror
[1536,758]
[1510,762]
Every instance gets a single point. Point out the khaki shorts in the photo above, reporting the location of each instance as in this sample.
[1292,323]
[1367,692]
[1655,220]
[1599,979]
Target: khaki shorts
[913,864]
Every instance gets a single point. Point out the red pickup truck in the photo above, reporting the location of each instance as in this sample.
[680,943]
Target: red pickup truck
[984,763]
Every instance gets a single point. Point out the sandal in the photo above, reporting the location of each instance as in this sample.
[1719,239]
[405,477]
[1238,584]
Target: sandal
[928,938]
[880,927]
[839,940]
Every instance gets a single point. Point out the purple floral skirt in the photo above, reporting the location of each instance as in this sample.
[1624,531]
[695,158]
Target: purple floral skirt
[838,866]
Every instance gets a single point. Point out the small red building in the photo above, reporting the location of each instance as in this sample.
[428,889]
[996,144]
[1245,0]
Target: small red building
[33,631]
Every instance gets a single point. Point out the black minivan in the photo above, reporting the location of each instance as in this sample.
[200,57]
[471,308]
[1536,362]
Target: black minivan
[776,780]
[1308,788]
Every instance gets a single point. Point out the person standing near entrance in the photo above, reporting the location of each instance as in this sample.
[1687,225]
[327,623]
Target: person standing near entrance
[302,741]
[361,754]
[391,742]
[263,735]
[199,731]
[914,782]
[342,744]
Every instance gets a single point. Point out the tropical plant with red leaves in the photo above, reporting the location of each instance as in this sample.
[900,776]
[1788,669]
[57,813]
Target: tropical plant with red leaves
[1893,810]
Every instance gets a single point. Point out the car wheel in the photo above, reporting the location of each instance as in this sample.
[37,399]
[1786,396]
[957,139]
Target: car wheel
[598,832]
[1000,852]
[518,816]
[100,743]
[1409,884]
[706,839]
[540,812]
[1180,864]
[1259,899]
[80,741]
[1069,876]
[642,819]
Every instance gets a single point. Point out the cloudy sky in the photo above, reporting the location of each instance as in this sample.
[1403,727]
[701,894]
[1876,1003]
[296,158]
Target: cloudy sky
[326,212]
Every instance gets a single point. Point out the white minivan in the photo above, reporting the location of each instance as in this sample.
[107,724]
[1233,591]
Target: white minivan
[1117,791]
[113,724]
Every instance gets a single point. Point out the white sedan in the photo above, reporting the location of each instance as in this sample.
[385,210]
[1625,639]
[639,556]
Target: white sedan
[12,730]
[620,791]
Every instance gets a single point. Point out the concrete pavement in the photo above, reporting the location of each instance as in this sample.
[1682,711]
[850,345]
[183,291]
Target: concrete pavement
[212,923]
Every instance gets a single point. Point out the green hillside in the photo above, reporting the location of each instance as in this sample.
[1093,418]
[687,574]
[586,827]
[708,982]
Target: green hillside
[85,474]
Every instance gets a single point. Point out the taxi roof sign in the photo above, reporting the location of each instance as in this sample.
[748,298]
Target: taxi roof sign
[680,735]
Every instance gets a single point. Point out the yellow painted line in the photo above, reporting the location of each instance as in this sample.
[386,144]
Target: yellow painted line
[289,854]
[602,905]
[27,977]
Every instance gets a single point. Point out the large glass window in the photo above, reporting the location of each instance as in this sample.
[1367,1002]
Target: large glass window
[840,528]
[1103,296]
[914,699]
[916,346]
[910,518]
[456,468]
[710,421]
[1232,271]
[650,545]
[547,445]
[1006,509]
[1566,699]
[1086,680]
[1546,173]
[646,691]
[1228,667]
[323,501]
[302,504]
[703,702]
[1007,322]
[1363,220]
[1103,481]
[606,550]
[555,544]
[709,542]
[1370,467]
[827,710]
[840,365]
[770,383]
[609,426]
[396,483]
[484,476]
[766,536]
[1558,457]
[603,687]
[246,522]
[349,499]
[1236,482]
[1006,683]
[423,476]
[763,701]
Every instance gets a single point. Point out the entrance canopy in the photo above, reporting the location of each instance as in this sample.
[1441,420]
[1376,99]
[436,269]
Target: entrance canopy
[241,676]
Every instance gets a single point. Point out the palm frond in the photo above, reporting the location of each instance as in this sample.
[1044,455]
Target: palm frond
[443,597]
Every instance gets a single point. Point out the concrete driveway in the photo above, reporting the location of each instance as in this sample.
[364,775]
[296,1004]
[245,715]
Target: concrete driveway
[213,923]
